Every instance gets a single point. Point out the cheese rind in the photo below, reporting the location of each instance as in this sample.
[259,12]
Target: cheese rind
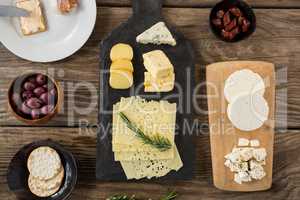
[158,64]
[35,22]
[157,34]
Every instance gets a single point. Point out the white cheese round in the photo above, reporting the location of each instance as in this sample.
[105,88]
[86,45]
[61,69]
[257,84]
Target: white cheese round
[248,112]
[243,81]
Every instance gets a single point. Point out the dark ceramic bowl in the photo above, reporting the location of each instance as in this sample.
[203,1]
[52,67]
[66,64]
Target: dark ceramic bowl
[246,10]
[18,173]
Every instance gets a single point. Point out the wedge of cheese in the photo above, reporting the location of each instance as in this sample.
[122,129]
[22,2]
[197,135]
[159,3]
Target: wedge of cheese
[123,65]
[161,85]
[158,64]
[157,34]
[35,22]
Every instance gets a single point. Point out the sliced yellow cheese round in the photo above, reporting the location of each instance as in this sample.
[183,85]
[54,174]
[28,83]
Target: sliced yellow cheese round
[123,65]
[121,51]
[120,79]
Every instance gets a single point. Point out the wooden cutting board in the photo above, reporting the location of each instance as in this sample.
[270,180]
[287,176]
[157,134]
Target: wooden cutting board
[146,13]
[223,136]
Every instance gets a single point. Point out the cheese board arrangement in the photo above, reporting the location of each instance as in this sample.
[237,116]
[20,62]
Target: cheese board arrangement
[146,110]
[141,59]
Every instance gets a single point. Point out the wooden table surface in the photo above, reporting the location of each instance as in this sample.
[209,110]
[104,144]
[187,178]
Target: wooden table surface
[277,40]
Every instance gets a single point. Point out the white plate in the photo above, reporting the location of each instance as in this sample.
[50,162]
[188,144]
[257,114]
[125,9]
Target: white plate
[65,35]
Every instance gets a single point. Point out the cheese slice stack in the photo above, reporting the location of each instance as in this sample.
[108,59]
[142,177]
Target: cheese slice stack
[138,159]
[160,76]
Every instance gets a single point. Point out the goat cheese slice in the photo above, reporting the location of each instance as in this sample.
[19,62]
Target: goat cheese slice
[248,112]
[243,81]
[157,34]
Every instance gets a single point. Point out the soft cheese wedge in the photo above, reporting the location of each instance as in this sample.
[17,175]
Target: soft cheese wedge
[120,79]
[35,22]
[157,34]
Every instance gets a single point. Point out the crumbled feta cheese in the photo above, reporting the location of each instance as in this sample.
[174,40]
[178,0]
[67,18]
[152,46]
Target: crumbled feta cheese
[260,154]
[254,143]
[243,142]
[257,173]
[241,177]
[246,153]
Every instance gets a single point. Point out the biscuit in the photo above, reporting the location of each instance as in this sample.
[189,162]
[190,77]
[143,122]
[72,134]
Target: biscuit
[40,192]
[44,163]
[49,184]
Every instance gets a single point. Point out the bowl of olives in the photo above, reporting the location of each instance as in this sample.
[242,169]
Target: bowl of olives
[34,98]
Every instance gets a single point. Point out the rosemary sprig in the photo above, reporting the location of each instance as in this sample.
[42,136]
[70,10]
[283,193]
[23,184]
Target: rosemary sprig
[169,196]
[157,141]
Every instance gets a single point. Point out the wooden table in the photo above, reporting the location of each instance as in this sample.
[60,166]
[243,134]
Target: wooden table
[277,40]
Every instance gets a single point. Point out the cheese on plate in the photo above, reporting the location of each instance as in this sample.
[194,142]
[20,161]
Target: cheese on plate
[248,112]
[241,82]
[157,34]
[35,22]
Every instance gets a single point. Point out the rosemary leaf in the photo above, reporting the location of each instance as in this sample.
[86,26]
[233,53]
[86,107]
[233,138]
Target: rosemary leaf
[156,141]
[170,196]
[121,197]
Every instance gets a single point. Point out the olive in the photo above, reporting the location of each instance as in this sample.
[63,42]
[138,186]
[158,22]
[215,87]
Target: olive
[35,113]
[32,80]
[39,91]
[41,79]
[25,109]
[45,97]
[29,86]
[27,95]
[34,103]
[47,109]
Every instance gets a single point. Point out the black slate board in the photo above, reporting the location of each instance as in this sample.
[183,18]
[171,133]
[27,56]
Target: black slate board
[145,14]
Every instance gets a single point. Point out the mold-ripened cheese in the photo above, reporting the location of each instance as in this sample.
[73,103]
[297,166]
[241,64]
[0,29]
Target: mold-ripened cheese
[150,116]
[152,168]
[254,143]
[158,64]
[248,112]
[35,22]
[243,142]
[243,81]
[157,34]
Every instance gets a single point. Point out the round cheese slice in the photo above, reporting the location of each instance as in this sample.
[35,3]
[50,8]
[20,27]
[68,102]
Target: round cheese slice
[124,65]
[248,112]
[121,51]
[120,79]
[243,81]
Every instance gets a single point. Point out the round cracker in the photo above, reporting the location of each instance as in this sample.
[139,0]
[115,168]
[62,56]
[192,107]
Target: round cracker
[44,163]
[49,184]
[40,192]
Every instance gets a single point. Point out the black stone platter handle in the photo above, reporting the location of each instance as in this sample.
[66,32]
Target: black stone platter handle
[146,13]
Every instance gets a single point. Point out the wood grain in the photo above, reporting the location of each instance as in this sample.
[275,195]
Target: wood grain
[82,143]
[208,3]
[273,42]
[224,136]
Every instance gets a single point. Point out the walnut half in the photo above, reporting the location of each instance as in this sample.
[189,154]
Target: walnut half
[66,6]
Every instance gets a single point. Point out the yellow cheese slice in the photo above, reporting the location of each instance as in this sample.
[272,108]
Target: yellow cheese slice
[123,65]
[143,155]
[120,79]
[152,168]
[152,117]
[121,51]
[35,22]
[158,64]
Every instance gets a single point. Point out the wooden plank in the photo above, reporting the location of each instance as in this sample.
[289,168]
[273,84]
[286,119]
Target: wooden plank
[286,181]
[207,3]
[273,42]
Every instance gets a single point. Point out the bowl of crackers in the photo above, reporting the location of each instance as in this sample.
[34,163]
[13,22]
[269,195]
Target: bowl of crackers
[42,170]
